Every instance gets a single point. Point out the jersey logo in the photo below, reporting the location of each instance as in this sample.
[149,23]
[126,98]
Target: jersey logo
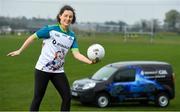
[57,35]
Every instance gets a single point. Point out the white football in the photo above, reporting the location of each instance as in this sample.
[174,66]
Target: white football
[95,51]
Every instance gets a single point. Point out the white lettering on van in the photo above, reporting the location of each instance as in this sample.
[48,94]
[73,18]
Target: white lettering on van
[162,72]
[148,72]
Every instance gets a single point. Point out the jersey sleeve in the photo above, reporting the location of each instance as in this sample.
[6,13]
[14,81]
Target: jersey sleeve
[43,32]
[74,46]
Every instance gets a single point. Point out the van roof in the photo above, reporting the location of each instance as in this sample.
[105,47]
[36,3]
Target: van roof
[129,63]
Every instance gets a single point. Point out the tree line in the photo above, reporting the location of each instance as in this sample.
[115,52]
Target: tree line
[171,23]
[25,23]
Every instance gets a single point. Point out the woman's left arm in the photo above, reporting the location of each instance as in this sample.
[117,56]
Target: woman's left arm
[81,57]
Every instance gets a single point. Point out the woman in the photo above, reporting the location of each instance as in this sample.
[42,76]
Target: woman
[57,40]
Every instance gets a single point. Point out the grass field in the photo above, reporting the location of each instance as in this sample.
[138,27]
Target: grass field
[17,73]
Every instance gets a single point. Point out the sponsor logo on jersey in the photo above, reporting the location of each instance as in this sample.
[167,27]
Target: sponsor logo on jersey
[59,44]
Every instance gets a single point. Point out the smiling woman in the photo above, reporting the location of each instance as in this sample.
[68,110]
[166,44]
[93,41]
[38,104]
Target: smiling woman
[57,41]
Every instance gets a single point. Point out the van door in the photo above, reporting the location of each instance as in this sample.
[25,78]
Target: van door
[145,84]
[123,80]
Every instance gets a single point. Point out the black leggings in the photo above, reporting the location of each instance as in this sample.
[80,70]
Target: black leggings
[60,82]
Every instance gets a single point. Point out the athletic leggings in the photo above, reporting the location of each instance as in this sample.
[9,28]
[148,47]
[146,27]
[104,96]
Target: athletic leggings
[60,82]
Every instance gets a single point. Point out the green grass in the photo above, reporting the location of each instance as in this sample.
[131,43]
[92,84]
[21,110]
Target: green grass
[17,73]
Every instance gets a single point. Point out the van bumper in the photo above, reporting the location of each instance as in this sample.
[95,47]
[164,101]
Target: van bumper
[83,96]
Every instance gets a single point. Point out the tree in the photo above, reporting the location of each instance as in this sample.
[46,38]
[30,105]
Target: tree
[172,18]
[121,25]
[155,25]
[144,25]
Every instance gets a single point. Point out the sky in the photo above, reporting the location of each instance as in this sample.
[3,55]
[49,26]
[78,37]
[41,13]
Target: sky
[129,11]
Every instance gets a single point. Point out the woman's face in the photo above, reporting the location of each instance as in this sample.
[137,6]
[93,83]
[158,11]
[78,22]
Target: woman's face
[66,18]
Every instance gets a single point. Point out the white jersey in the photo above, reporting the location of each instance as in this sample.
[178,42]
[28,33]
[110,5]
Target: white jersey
[54,51]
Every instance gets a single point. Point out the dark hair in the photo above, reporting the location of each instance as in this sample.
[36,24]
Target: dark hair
[66,7]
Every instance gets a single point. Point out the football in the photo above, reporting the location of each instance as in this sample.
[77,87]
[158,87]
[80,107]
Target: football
[95,51]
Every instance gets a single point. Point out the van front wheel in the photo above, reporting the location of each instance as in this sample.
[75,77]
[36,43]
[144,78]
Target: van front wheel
[102,100]
[162,100]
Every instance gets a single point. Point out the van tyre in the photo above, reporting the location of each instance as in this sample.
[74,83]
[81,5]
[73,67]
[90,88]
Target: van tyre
[102,100]
[162,100]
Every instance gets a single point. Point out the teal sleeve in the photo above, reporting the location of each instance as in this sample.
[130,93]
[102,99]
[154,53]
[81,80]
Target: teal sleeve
[43,32]
[75,44]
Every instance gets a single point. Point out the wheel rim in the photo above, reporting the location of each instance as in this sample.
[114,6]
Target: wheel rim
[103,101]
[163,101]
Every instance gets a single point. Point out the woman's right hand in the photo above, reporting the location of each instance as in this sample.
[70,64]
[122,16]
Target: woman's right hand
[14,53]
[95,61]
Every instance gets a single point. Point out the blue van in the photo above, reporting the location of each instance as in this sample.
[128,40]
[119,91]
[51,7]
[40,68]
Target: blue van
[141,81]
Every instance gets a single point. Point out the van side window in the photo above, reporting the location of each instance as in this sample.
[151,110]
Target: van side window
[126,75]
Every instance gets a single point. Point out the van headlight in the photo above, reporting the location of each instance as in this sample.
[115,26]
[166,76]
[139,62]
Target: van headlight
[89,85]
[75,85]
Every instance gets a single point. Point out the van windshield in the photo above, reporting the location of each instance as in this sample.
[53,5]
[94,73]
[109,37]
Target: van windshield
[104,73]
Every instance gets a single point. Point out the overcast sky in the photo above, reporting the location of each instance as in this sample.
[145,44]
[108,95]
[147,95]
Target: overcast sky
[129,11]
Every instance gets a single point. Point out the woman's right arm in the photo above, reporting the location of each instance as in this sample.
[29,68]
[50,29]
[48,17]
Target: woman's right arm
[28,41]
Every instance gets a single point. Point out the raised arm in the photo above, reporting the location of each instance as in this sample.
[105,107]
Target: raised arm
[28,41]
